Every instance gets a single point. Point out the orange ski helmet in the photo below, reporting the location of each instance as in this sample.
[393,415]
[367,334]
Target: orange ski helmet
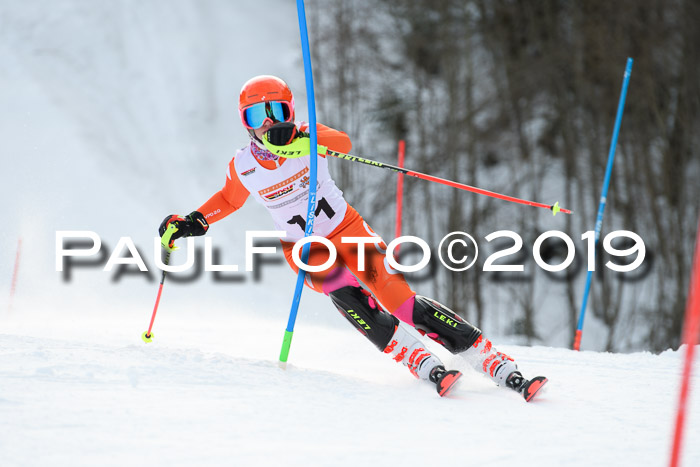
[264,89]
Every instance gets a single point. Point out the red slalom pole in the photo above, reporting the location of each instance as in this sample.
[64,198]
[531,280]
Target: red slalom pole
[691,327]
[147,336]
[15,273]
[349,157]
[169,246]
[399,189]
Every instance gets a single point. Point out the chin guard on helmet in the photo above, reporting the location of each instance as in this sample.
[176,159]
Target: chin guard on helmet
[443,325]
[299,146]
[282,134]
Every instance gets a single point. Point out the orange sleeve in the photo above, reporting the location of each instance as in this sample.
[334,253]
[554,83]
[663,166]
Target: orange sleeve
[227,200]
[333,139]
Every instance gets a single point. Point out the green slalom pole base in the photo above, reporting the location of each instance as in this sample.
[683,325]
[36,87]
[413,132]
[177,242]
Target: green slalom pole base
[147,338]
[284,353]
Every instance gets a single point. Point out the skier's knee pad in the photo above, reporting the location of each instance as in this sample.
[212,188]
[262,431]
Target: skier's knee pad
[444,325]
[364,313]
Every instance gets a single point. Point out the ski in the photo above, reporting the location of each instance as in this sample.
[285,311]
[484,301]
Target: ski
[532,387]
[446,382]
[528,388]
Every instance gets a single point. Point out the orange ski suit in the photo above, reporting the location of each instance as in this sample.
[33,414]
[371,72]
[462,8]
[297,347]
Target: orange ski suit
[387,284]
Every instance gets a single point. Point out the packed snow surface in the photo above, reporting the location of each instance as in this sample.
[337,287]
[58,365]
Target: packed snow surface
[116,114]
[208,391]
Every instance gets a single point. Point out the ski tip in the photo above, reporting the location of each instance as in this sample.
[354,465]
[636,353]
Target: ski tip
[533,387]
[448,382]
[147,337]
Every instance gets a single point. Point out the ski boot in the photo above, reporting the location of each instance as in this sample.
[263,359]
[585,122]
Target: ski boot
[392,337]
[528,388]
[444,380]
[405,348]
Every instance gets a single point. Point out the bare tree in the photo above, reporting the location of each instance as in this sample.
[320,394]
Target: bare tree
[520,96]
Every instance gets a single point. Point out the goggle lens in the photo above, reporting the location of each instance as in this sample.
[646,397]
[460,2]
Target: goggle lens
[255,115]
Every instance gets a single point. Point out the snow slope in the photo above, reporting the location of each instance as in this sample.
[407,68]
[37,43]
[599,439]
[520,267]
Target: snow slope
[204,394]
[113,115]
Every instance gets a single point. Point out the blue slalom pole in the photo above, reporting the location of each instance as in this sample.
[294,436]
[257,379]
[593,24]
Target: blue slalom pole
[603,197]
[310,217]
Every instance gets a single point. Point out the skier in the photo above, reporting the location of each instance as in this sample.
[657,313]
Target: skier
[383,309]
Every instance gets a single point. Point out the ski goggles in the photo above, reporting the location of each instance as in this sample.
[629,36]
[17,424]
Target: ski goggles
[254,117]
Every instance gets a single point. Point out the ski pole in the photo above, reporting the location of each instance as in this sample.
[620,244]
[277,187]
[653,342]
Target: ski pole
[169,247]
[289,330]
[603,198]
[300,148]
[399,190]
[554,207]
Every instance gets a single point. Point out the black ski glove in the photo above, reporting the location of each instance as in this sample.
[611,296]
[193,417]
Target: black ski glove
[192,225]
[281,134]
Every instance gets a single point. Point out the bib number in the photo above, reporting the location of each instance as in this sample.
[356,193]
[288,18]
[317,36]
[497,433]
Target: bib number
[321,206]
